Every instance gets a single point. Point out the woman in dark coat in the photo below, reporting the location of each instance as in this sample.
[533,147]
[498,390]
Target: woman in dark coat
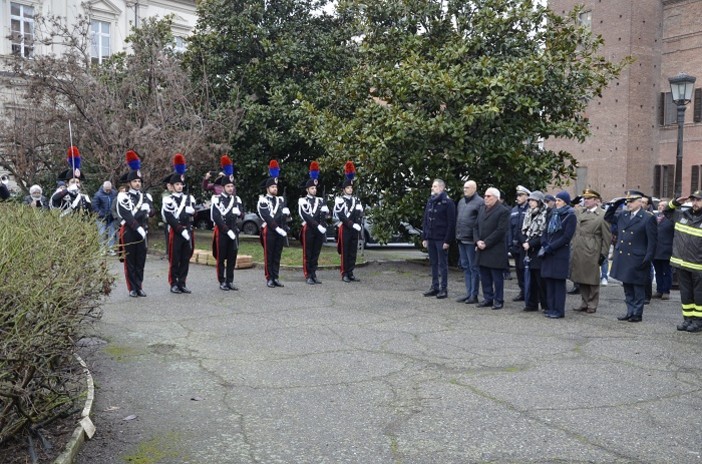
[533,227]
[555,253]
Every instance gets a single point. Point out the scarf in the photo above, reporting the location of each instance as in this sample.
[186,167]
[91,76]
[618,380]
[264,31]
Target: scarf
[555,224]
[534,222]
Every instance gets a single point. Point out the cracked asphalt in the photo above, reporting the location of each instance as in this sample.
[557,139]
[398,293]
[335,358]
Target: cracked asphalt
[375,373]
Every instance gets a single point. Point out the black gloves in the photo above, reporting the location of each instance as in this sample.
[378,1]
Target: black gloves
[601,260]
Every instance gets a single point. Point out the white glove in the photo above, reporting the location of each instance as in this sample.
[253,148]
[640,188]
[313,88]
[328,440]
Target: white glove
[185,235]
[281,232]
[145,207]
[357,227]
[72,188]
[189,210]
[142,232]
[359,207]
[286,211]
[324,209]
[235,211]
[322,229]
[231,234]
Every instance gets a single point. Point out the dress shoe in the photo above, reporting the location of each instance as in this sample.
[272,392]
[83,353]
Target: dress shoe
[574,291]
[498,306]
[555,316]
[431,292]
[270,284]
[484,304]
[232,286]
[347,280]
[175,289]
[316,280]
[461,299]
[528,309]
[580,308]
[353,278]
[657,295]
[647,302]
[519,297]
[472,300]
[665,296]
[441,295]
[185,289]
[624,317]
[224,286]
[141,292]
[591,310]
[277,283]
[635,319]
[133,294]
[310,281]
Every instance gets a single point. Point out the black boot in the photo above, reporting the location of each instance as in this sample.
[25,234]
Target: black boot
[685,324]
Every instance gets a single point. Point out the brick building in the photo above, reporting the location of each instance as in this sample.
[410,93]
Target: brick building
[634,129]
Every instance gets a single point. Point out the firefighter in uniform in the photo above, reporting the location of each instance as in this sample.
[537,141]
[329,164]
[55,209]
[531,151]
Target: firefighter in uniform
[70,199]
[314,213]
[133,210]
[275,214]
[177,212]
[348,216]
[225,210]
[687,257]
[636,244]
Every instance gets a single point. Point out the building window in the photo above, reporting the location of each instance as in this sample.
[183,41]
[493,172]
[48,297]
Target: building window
[22,29]
[585,19]
[100,47]
[668,110]
[179,44]
[663,180]
[695,178]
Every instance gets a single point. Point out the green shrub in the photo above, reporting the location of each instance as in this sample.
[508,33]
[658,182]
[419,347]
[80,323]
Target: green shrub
[52,279]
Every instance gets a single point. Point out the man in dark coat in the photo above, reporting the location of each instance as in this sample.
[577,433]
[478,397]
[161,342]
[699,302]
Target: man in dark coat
[489,234]
[102,205]
[664,251]
[466,216]
[633,252]
[437,233]
[516,238]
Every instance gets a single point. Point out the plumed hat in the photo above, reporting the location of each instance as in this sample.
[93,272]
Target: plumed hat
[313,181]
[228,169]
[179,168]
[273,172]
[134,164]
[349,174]
[73,160]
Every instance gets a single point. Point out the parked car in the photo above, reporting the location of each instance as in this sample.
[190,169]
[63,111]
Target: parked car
[406,233]
[250,225]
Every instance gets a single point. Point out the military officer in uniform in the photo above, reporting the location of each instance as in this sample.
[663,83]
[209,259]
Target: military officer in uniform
[225,210]
[273,210]
[348,216]
[70,199]
[314,212]
[133,210]
[178,211]
[633,252]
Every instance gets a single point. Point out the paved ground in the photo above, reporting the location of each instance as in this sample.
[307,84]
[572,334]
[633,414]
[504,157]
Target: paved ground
[375,373]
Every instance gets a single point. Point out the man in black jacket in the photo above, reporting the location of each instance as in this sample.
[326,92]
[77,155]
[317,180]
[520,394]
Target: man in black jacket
[437,232]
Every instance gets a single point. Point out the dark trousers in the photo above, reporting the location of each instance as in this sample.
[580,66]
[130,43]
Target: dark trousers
[272,250]
[227,251]
[555,296]
[537,290]
[493,284]
[634,296]
[179,253]
[519,269]
[690,292]
[438,257]
[648,288]
[347,246]
[312,241]
[133,247]
[664,275]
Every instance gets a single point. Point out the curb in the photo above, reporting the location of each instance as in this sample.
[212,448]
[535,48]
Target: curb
[85,426]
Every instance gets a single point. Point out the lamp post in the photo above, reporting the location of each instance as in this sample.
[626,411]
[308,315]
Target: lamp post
[681,87]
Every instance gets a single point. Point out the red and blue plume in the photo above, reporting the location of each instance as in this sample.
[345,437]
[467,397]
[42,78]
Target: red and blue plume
[73,157]
[133,160]
[349,170]
[179,165]
[314,170]
[273,168]
[227,167]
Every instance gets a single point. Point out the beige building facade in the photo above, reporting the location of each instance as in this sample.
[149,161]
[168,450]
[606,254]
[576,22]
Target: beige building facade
[634,125]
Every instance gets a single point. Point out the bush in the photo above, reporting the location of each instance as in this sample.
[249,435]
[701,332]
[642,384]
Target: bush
[52,280]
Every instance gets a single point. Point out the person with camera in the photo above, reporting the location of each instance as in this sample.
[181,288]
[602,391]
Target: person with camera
[35,199]
[102,206]
[633,253]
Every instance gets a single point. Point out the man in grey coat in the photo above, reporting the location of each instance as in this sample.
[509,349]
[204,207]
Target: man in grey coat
[489,234]
[466,216]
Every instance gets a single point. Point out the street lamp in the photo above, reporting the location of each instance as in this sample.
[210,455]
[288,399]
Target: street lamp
[681,87]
